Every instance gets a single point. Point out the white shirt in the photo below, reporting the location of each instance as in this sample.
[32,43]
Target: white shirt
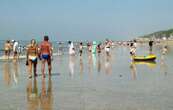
[71,49]
[15,46]
[135,44]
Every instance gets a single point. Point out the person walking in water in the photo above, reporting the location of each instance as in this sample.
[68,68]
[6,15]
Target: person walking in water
[7,49]
[107,47]
[99,49]
[32,55]
[132,50]
[164,50]
[94,47]
[71,48]
[15,49]
[80,49]
[89,47]
[46,51]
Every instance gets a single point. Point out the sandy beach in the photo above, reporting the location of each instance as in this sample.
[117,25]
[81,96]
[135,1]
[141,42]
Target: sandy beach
[91,83]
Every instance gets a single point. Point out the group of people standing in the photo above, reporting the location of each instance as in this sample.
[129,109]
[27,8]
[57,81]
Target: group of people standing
[92,47]
[42,51]
[11,46]
[34,51]
[133,47]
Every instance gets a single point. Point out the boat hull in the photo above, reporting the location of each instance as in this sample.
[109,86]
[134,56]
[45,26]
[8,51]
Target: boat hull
[145,58]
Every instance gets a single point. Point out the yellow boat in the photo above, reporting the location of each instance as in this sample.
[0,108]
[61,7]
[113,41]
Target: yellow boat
[150,57]
[151,64]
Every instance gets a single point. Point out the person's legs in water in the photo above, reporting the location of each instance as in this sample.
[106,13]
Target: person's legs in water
[80,52]
[35,68]
[151,49]
[43,67]
[8,54]
[46,58]
[15,55]
[5,54]
[49,66]
[107,53]
[30,68]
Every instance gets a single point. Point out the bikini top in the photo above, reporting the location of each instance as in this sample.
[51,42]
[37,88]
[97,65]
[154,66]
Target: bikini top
[32,50]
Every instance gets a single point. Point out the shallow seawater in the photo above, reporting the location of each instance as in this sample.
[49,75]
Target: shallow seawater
[91,82]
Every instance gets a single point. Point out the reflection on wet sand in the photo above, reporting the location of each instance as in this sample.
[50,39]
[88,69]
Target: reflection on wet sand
[81,66]
[45,100]
[94,60]
[163,65]
[90,63]
[133,70]
[11,71]
[71,65]
[109,80]
[32,95]
[150,64]
[7,73]
[108,65]
[15,71]
[46,96]
[99,66]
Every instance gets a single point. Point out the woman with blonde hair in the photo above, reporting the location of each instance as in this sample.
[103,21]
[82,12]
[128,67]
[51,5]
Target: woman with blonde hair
[32,55]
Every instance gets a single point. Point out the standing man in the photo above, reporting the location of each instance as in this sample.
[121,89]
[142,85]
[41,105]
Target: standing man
[15,49]
[46,51]
[151,46]
[132,50]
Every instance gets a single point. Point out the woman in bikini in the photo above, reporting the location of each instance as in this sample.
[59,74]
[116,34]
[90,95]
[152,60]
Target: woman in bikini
[32,55]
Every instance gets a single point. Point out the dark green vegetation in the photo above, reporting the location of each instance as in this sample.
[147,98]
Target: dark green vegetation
[160,34]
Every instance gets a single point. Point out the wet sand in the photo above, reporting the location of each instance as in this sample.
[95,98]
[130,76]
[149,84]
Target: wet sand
[91,83]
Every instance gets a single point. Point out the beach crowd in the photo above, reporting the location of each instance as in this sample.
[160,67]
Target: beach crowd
[43,51]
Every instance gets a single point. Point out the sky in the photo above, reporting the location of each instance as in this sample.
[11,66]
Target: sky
[83,19]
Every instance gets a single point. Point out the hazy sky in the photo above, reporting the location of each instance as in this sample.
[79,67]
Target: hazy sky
[83,19]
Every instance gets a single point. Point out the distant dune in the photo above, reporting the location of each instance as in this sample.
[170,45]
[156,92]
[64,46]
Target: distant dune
[160,34]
